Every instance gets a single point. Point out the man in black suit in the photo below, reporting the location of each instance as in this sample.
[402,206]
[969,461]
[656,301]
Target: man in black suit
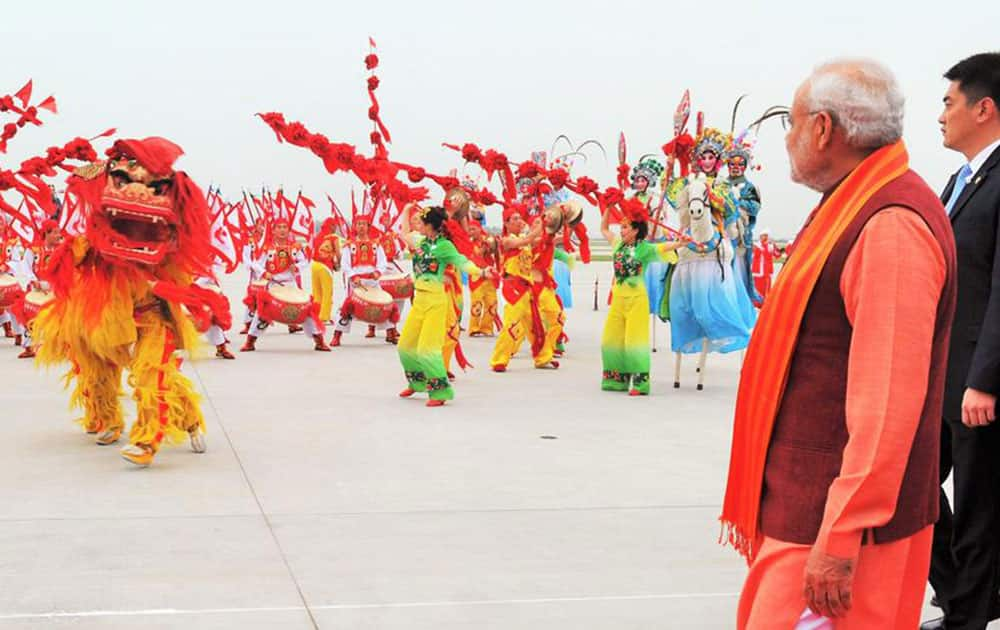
[965,565]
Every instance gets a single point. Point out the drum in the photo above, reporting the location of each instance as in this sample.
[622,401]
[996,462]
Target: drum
[371,304]
[34,302]
[10,290]
[285,305]
[254,291]
[203,319]
[398,285]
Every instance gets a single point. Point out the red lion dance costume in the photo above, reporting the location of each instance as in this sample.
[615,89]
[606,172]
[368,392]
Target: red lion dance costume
[125,298]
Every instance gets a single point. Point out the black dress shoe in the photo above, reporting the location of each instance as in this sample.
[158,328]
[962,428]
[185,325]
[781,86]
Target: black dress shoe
[934,624]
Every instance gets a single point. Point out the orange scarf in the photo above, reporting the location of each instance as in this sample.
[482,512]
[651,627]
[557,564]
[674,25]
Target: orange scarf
[765,370]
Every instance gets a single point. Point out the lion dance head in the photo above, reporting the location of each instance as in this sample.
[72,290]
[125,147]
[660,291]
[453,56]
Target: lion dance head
[143,213]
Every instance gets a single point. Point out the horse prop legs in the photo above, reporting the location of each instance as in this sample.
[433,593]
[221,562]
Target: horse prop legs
[701,364]
[677,370]
[702,359]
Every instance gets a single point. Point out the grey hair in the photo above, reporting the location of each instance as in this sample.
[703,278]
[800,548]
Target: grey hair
[863,97]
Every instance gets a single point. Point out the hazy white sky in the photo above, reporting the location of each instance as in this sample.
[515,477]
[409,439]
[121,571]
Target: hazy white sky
[511,75]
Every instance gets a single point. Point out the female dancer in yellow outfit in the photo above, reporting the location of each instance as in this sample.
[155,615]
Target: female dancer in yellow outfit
[483,317]
[518,319]
[625,343]
[422,340]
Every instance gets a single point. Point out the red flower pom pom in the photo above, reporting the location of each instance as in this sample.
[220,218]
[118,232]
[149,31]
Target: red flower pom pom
[558,177]
[486,197]
[471,153]
[527,169]
[586,186]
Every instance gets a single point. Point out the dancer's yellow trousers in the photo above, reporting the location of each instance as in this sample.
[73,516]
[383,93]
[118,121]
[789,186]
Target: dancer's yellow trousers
[322,289]
[452,324]
[517,328]
[421,341]
[553,320]
[483,312]
[516,324]
[625,342]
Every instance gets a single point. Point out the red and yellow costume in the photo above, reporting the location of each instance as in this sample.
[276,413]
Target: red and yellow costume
[519,319]
[549,308]
[120,294]
[484,317]
[326,261]
[453,318]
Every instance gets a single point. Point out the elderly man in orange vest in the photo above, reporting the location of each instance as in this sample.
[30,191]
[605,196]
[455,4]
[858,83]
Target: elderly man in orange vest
[832,491]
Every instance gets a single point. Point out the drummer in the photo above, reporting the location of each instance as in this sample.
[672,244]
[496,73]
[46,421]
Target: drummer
[34,267]
[9,258]
[215,335]
[395,254]
[363,262]
[282,264]
[252,257]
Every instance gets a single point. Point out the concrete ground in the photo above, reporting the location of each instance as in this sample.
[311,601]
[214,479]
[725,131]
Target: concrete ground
[534,500]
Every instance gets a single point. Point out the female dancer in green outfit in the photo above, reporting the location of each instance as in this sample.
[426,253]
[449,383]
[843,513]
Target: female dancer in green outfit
[625,343]
[424,331]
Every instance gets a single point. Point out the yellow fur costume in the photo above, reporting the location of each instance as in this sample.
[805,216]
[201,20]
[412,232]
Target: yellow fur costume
[135,331]
[125,298]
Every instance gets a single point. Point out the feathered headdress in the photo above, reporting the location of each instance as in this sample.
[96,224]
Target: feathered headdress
[713,140]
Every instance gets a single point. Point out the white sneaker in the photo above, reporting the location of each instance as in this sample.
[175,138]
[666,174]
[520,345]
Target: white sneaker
[198,443]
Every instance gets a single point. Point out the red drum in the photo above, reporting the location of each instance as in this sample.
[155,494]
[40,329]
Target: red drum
[10,290]
[34,302]
[371,304]
[253,293]
[285,305]
[398,285]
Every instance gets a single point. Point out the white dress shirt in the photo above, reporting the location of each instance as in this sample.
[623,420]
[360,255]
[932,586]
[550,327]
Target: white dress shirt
[977,162]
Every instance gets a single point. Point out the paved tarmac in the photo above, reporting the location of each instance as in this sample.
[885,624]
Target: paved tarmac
[534,500]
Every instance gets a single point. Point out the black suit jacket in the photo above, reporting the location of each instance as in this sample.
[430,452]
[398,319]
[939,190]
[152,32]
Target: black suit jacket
[974,358]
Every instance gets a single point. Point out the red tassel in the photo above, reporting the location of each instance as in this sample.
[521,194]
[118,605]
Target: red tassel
[581,233]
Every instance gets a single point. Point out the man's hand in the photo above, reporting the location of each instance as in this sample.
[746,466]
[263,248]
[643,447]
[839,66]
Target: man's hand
[828,583]
[978,408]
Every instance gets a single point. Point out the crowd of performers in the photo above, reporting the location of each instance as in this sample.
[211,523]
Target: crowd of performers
[122,273]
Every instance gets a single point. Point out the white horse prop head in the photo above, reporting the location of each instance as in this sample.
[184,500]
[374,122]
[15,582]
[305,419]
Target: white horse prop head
[704,230]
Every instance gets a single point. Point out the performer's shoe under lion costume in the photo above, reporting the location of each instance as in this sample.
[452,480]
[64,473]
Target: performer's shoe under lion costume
[124,297]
